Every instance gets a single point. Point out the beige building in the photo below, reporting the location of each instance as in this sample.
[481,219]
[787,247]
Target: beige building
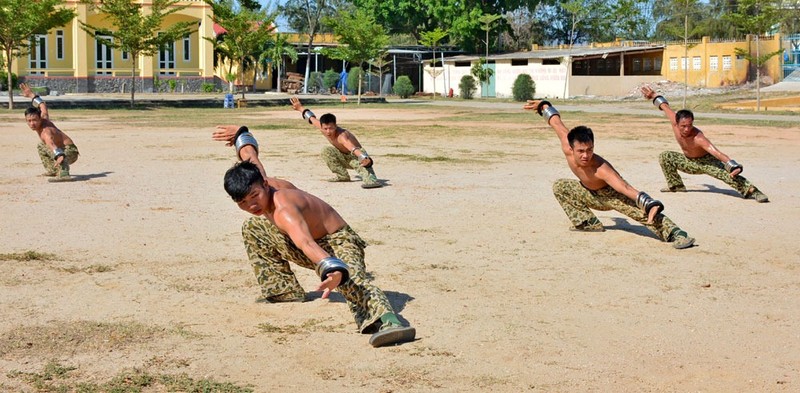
[609,69]
[68,59]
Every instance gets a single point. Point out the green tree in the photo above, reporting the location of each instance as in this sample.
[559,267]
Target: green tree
[137,32]
[360,39]
[274,53]
[247,32]
[755,17]
[483,73]
[19,21]
[431,40]
[306,16]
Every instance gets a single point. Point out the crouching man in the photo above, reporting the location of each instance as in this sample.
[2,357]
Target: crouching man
[291,225]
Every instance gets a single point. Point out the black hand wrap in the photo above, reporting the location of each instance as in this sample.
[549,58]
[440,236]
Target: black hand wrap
[732,165]
[646,203]
[541,104]
[332,264]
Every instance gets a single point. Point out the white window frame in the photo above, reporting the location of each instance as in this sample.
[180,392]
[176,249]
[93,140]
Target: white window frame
[713,63]
[37,56]
[673,63]
[697,63]
[727,62]
[683,63]
[187,48]
[103,56]
[59,44]
[166,59]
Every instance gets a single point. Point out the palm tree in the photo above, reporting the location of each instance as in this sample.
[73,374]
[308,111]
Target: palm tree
[273,53]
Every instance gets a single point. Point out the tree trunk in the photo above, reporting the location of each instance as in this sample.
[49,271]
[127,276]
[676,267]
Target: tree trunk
[241,74]
[9,60]
[360,75]
[308,62]
[278,77]
[133,78]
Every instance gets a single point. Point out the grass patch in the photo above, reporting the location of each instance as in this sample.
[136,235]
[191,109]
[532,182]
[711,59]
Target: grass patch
[68,338]
[311,325]
[27,256]
[56,377]
[438,159]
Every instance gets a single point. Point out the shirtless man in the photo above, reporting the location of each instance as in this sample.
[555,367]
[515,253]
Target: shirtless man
[345,151]
[56,149]
[699,155]
[293,226]
[600,186]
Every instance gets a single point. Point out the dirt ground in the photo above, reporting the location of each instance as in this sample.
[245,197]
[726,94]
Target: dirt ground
[138,265]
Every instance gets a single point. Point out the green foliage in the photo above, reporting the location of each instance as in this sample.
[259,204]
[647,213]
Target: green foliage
[524,88]
[4,81]
[315,82]
[360,39]
[137,32]
[403,87]
[172,83]
[329,79]
[481,71]
[208,87]
[467,87]
[247,34]
[355,75]
[21,19]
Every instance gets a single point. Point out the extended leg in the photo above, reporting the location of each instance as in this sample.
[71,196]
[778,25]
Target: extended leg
[337,163]
[573,198]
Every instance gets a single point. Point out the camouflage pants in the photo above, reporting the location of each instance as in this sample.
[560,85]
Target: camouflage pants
[576,201]
[672,162]
[339,163]
[270,252]
[71,152]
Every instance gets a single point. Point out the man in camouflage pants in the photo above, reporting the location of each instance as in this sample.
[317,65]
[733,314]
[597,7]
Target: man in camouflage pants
[345,151]
[294,226]
[600,186]
[699,155]
[56,149]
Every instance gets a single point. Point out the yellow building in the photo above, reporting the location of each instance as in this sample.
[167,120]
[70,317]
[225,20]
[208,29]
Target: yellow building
[708,63]
[68,59]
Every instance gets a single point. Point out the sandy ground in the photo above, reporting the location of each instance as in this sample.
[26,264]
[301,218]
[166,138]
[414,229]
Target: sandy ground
[466,239]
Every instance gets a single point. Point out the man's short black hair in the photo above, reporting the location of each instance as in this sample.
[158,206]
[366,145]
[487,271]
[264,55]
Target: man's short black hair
[240,178]
[581,134]
[327,118]
[683,114]
[33,111]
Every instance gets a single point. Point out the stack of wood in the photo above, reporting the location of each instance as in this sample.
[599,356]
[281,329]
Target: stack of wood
[293,83]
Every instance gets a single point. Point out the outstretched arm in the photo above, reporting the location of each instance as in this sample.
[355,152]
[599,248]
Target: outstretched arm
[649,206]
[36,101]
[661,103]
[307,114]
[553,119]
[244,142]
[290,220]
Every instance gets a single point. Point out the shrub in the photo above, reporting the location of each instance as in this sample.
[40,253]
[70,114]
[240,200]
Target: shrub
[524,88]
[4,80]
[467,87]
[403,87]
[173,84]
[315,82]
[208,87]
[329,79]
[352,80]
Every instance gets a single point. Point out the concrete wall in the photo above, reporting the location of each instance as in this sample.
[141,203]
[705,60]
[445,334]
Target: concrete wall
[580,85]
